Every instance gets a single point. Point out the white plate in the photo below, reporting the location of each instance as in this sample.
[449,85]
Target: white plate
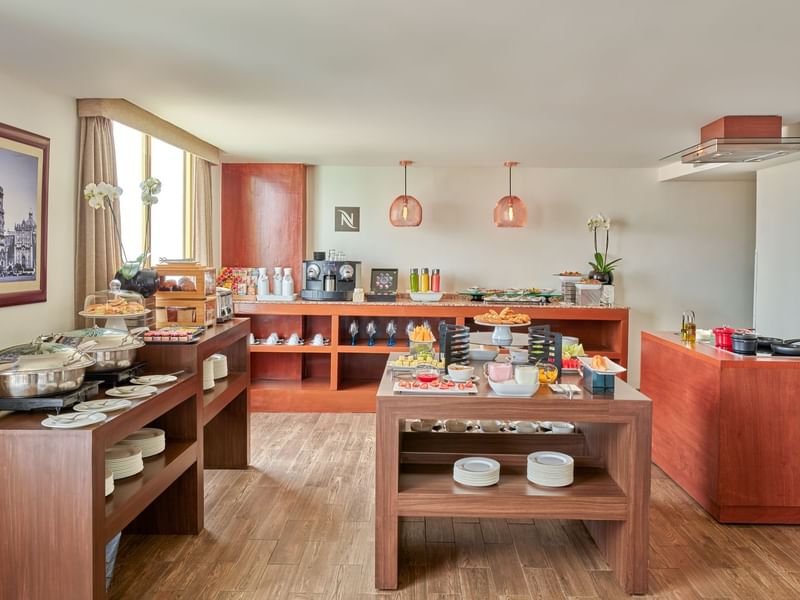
[612,368]
[129,391]
[477,464]
[69,421]
[121,452]
[547,458]
[150,380]
[145,434]
[512,388]
[104,406]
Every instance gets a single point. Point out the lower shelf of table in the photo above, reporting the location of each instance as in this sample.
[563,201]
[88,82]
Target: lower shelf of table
[429,491]
[133,494]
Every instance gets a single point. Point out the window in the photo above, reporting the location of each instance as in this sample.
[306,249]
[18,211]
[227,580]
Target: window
[140,156]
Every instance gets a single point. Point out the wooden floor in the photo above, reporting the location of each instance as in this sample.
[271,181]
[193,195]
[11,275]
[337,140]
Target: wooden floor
[299,525]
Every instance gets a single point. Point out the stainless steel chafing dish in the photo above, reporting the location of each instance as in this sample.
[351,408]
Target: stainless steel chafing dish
[42,368]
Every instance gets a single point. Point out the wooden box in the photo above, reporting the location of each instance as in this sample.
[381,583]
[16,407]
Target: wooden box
[739,126]
[182,311]
[186,281]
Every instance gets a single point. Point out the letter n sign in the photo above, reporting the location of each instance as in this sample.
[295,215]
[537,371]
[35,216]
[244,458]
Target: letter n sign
[348,218]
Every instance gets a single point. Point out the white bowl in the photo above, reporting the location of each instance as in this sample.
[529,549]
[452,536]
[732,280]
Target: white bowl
[479,352]
[460,373]
[512,388]
[426,296]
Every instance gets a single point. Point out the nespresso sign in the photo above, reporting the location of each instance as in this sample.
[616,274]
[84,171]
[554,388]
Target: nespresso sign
[348,218]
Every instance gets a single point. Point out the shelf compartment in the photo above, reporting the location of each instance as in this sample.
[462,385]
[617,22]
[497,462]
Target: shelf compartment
[224,391]
[304,349]
[132,494]
[429,491]
[362,348]
[311,394]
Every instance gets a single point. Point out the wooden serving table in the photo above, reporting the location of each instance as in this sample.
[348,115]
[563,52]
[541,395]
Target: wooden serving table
[611,447]
[55,520]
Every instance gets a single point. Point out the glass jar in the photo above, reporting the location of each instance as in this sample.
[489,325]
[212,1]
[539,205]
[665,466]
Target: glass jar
[424,280]
[413,283]
[436,281]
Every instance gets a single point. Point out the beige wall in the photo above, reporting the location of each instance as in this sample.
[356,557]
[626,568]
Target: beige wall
[685,245]
[53,116]
[778,222]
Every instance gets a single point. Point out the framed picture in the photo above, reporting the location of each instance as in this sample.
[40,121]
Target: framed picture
[384,281]
[24,159]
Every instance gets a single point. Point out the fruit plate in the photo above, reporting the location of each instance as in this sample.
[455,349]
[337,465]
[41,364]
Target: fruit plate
[612,368]
[415,387]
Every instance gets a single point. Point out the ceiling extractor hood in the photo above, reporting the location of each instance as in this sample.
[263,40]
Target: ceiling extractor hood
[739,139]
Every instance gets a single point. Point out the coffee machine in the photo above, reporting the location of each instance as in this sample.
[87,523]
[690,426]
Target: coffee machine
[332,280]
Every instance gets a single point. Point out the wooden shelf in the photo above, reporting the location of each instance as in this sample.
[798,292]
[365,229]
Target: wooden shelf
[401,346]
[224,391]
[429,490]
[285,348]
[133,494]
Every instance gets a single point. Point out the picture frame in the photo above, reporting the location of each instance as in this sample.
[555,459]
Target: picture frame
[383,281]
[24,174]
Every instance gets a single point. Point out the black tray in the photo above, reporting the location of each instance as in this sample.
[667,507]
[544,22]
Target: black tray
[83,393]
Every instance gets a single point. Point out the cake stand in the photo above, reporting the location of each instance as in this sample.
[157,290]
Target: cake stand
[502,333]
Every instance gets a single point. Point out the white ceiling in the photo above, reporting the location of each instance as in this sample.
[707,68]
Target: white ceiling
[589,83]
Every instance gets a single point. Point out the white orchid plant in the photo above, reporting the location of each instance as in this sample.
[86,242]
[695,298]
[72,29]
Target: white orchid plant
[102,195]
[601,263]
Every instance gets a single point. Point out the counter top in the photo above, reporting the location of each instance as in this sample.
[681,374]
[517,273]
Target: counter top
[483,306]
[708,353]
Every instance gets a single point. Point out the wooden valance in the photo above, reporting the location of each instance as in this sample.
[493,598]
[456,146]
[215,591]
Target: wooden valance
[127,113]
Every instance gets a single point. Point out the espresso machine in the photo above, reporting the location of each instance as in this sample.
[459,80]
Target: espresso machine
[332,280]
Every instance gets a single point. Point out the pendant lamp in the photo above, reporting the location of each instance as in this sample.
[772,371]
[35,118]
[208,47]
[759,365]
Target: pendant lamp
[405,211]
[510,210]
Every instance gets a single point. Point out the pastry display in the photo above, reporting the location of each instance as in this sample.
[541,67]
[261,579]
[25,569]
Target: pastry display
[507,316]
[115,306]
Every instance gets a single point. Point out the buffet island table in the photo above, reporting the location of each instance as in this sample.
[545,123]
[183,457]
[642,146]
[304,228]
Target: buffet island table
[726,427]
[342,377]
[611,448]
[54,517]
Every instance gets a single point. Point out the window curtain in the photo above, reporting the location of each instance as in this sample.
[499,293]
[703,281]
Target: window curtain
[97,248]
[201,211]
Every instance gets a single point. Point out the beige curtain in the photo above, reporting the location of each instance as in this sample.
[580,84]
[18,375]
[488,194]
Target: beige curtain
[201,211]
[97,248]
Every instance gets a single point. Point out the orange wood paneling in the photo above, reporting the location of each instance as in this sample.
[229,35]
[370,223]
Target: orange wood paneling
[264,216]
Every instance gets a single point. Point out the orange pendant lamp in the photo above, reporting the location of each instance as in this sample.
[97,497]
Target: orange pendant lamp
[510,210]
[405,211]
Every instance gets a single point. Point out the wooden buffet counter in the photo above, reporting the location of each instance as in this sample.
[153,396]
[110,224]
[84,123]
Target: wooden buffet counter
[54,518]
[610,493]
[342,377]
[726,427]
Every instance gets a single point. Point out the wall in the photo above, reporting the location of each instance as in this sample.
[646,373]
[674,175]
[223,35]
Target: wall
[685,245]
[53,116]
[777,225]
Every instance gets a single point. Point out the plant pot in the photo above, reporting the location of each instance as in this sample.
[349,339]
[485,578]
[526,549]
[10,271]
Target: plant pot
[145,282]
[606,278]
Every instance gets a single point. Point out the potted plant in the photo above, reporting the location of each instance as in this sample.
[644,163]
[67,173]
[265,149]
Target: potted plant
[132,275]
[602,268]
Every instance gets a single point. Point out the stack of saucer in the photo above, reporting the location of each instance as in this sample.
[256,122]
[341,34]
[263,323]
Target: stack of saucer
[476,471]
[219,362]
[124,460]
[150,441]
[109,482]
[208,374]
[550,469]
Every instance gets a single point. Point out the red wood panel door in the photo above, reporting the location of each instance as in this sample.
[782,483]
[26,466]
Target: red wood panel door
[264,216]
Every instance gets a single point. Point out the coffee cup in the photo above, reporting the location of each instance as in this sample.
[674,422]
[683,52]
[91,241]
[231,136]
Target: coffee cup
[526,374]
[526,427]
[318,340]
[293,340]
[490,426]
[460,373]
[518,355]
[498,371]
[272,339]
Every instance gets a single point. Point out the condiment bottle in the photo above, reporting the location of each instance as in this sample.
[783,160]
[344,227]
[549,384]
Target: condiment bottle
[424,280]
[436,281]
[262,288]
[287,285]
[277,281]
[413,283]
[688,327]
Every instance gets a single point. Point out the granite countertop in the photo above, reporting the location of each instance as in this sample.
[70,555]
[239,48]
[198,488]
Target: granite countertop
[442,303]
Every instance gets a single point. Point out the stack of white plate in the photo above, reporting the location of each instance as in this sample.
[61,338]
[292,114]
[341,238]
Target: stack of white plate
[208,374]
[476,471]
[150,441]
[124,460]
[109,482]
[550,469]
[220,365]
